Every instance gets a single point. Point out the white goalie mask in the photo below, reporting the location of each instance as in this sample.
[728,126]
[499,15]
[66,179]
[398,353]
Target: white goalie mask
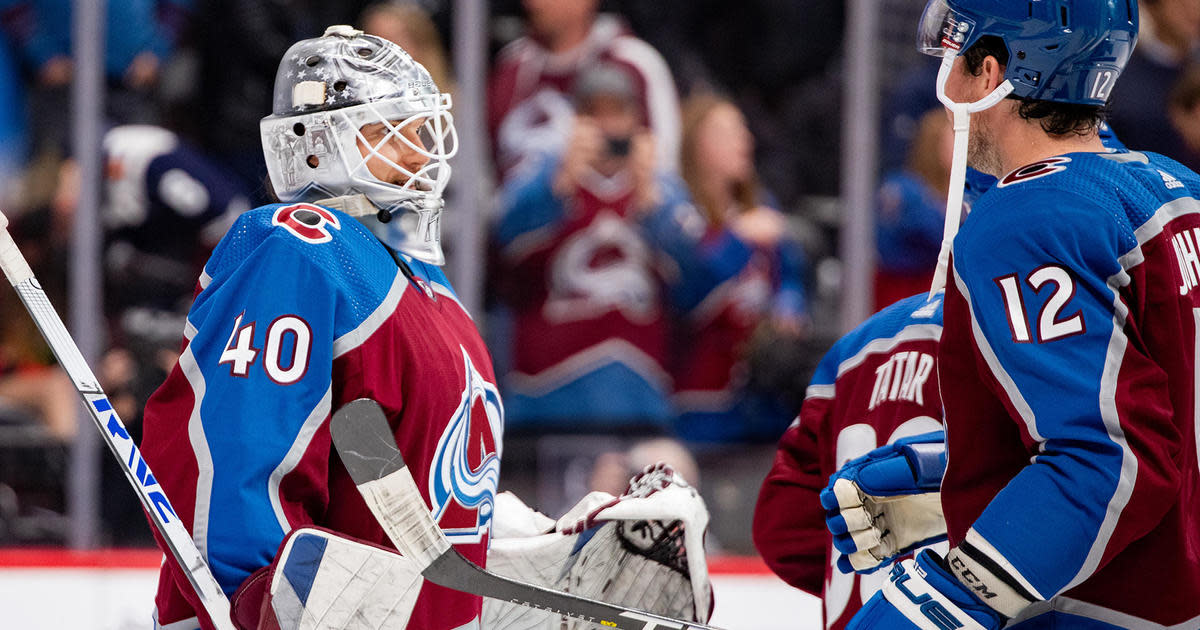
[327,90]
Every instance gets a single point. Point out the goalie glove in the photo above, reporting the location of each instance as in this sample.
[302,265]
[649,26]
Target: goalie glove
[643,549]
[921,593]
[886,503]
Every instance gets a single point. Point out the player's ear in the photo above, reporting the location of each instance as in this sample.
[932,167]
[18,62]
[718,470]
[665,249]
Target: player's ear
[993,72]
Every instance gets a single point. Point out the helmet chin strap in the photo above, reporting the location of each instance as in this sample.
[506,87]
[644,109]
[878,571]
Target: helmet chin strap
[958,164]
[353,205]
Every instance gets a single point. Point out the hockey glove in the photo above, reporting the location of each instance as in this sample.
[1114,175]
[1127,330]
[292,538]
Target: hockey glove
[921,593]
[886,503]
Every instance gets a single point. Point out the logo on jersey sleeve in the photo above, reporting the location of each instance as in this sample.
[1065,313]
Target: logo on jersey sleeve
[1038,169]
[307,222]
[466,468]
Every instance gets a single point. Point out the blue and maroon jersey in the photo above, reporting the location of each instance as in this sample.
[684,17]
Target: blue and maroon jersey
[1068,375]
[588,281]
[875,385]
[300,310]
[727,289]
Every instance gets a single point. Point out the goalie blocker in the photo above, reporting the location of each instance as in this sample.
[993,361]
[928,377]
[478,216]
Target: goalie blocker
[634,550]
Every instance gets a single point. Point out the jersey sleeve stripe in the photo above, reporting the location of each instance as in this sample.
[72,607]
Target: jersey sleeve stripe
[985,548]
[292,459]
[1087,610]
[200,449]
[1154,226]
[819,391]
[1112,422]
[914,332]
[372,322]
[1011,390]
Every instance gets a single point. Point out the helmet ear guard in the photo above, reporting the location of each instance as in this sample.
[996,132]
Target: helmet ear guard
[326,90]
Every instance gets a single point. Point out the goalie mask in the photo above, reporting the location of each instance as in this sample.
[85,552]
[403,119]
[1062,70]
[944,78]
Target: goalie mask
[348,106]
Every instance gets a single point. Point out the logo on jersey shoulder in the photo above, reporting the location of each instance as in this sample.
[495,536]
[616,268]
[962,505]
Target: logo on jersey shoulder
[307,222]
[466,467]
[1170,181]
[1038,169]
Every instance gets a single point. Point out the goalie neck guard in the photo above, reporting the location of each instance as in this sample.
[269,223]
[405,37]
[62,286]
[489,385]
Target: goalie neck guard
[326,90]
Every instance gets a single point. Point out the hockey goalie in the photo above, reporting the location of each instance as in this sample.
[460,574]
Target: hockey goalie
[643,550]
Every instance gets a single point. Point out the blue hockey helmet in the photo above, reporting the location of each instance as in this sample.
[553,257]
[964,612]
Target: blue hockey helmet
[1068,51]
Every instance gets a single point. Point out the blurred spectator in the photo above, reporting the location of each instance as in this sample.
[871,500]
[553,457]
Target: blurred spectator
[779,60]
[140,36]
[612,469]
[411,27]
[239,45]
[165,207]
[746,279]
[529,107]
[1168,36]
[910,212]
[582,274]
[1183,107]
[31,385]
[13,122]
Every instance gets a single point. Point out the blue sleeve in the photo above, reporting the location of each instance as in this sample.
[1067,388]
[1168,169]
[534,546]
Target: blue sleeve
[528,202]
[700,258]
[261,362]
[792,298]
[1048,348]
[46,33]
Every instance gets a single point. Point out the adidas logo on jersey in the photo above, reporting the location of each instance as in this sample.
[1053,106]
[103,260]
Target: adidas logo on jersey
[1170,181]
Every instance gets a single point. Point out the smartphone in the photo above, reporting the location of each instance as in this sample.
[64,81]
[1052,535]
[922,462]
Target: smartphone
[618,147]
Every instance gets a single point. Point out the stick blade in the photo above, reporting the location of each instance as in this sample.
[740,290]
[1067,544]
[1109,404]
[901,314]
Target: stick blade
[365,442]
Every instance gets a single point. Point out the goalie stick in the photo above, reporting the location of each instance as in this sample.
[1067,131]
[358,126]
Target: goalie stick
[368,449]
[137,472]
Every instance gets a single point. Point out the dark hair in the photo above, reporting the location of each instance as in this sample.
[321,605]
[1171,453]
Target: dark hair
[1056,119]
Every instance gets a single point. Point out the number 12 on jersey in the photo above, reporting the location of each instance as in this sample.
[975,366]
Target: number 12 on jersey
[1051,323]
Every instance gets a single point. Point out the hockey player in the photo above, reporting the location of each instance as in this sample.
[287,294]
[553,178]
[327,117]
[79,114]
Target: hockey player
[876,386]
[1067,366]
[301,309]
[850,407]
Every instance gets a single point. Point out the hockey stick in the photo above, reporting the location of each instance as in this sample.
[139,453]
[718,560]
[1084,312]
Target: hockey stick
[368,449]
[154,500]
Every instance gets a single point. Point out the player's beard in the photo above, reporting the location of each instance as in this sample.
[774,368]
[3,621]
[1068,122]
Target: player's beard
[982,151]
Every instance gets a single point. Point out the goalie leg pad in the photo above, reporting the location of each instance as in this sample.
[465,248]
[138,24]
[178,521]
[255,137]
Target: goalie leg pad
[322,580]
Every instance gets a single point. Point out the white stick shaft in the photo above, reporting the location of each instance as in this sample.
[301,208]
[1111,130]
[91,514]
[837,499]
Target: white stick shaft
[137,472]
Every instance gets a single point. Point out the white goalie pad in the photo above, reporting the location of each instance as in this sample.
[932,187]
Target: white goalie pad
[324,581]
[644,549]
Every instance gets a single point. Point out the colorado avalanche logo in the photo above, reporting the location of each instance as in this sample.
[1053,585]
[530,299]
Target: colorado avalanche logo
[454,479]
[1034,171]
[307,222]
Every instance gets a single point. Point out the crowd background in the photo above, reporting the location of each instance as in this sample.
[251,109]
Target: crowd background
[662,268]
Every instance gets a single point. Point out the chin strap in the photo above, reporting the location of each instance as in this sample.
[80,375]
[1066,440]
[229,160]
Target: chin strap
[958,165]
[353,205]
